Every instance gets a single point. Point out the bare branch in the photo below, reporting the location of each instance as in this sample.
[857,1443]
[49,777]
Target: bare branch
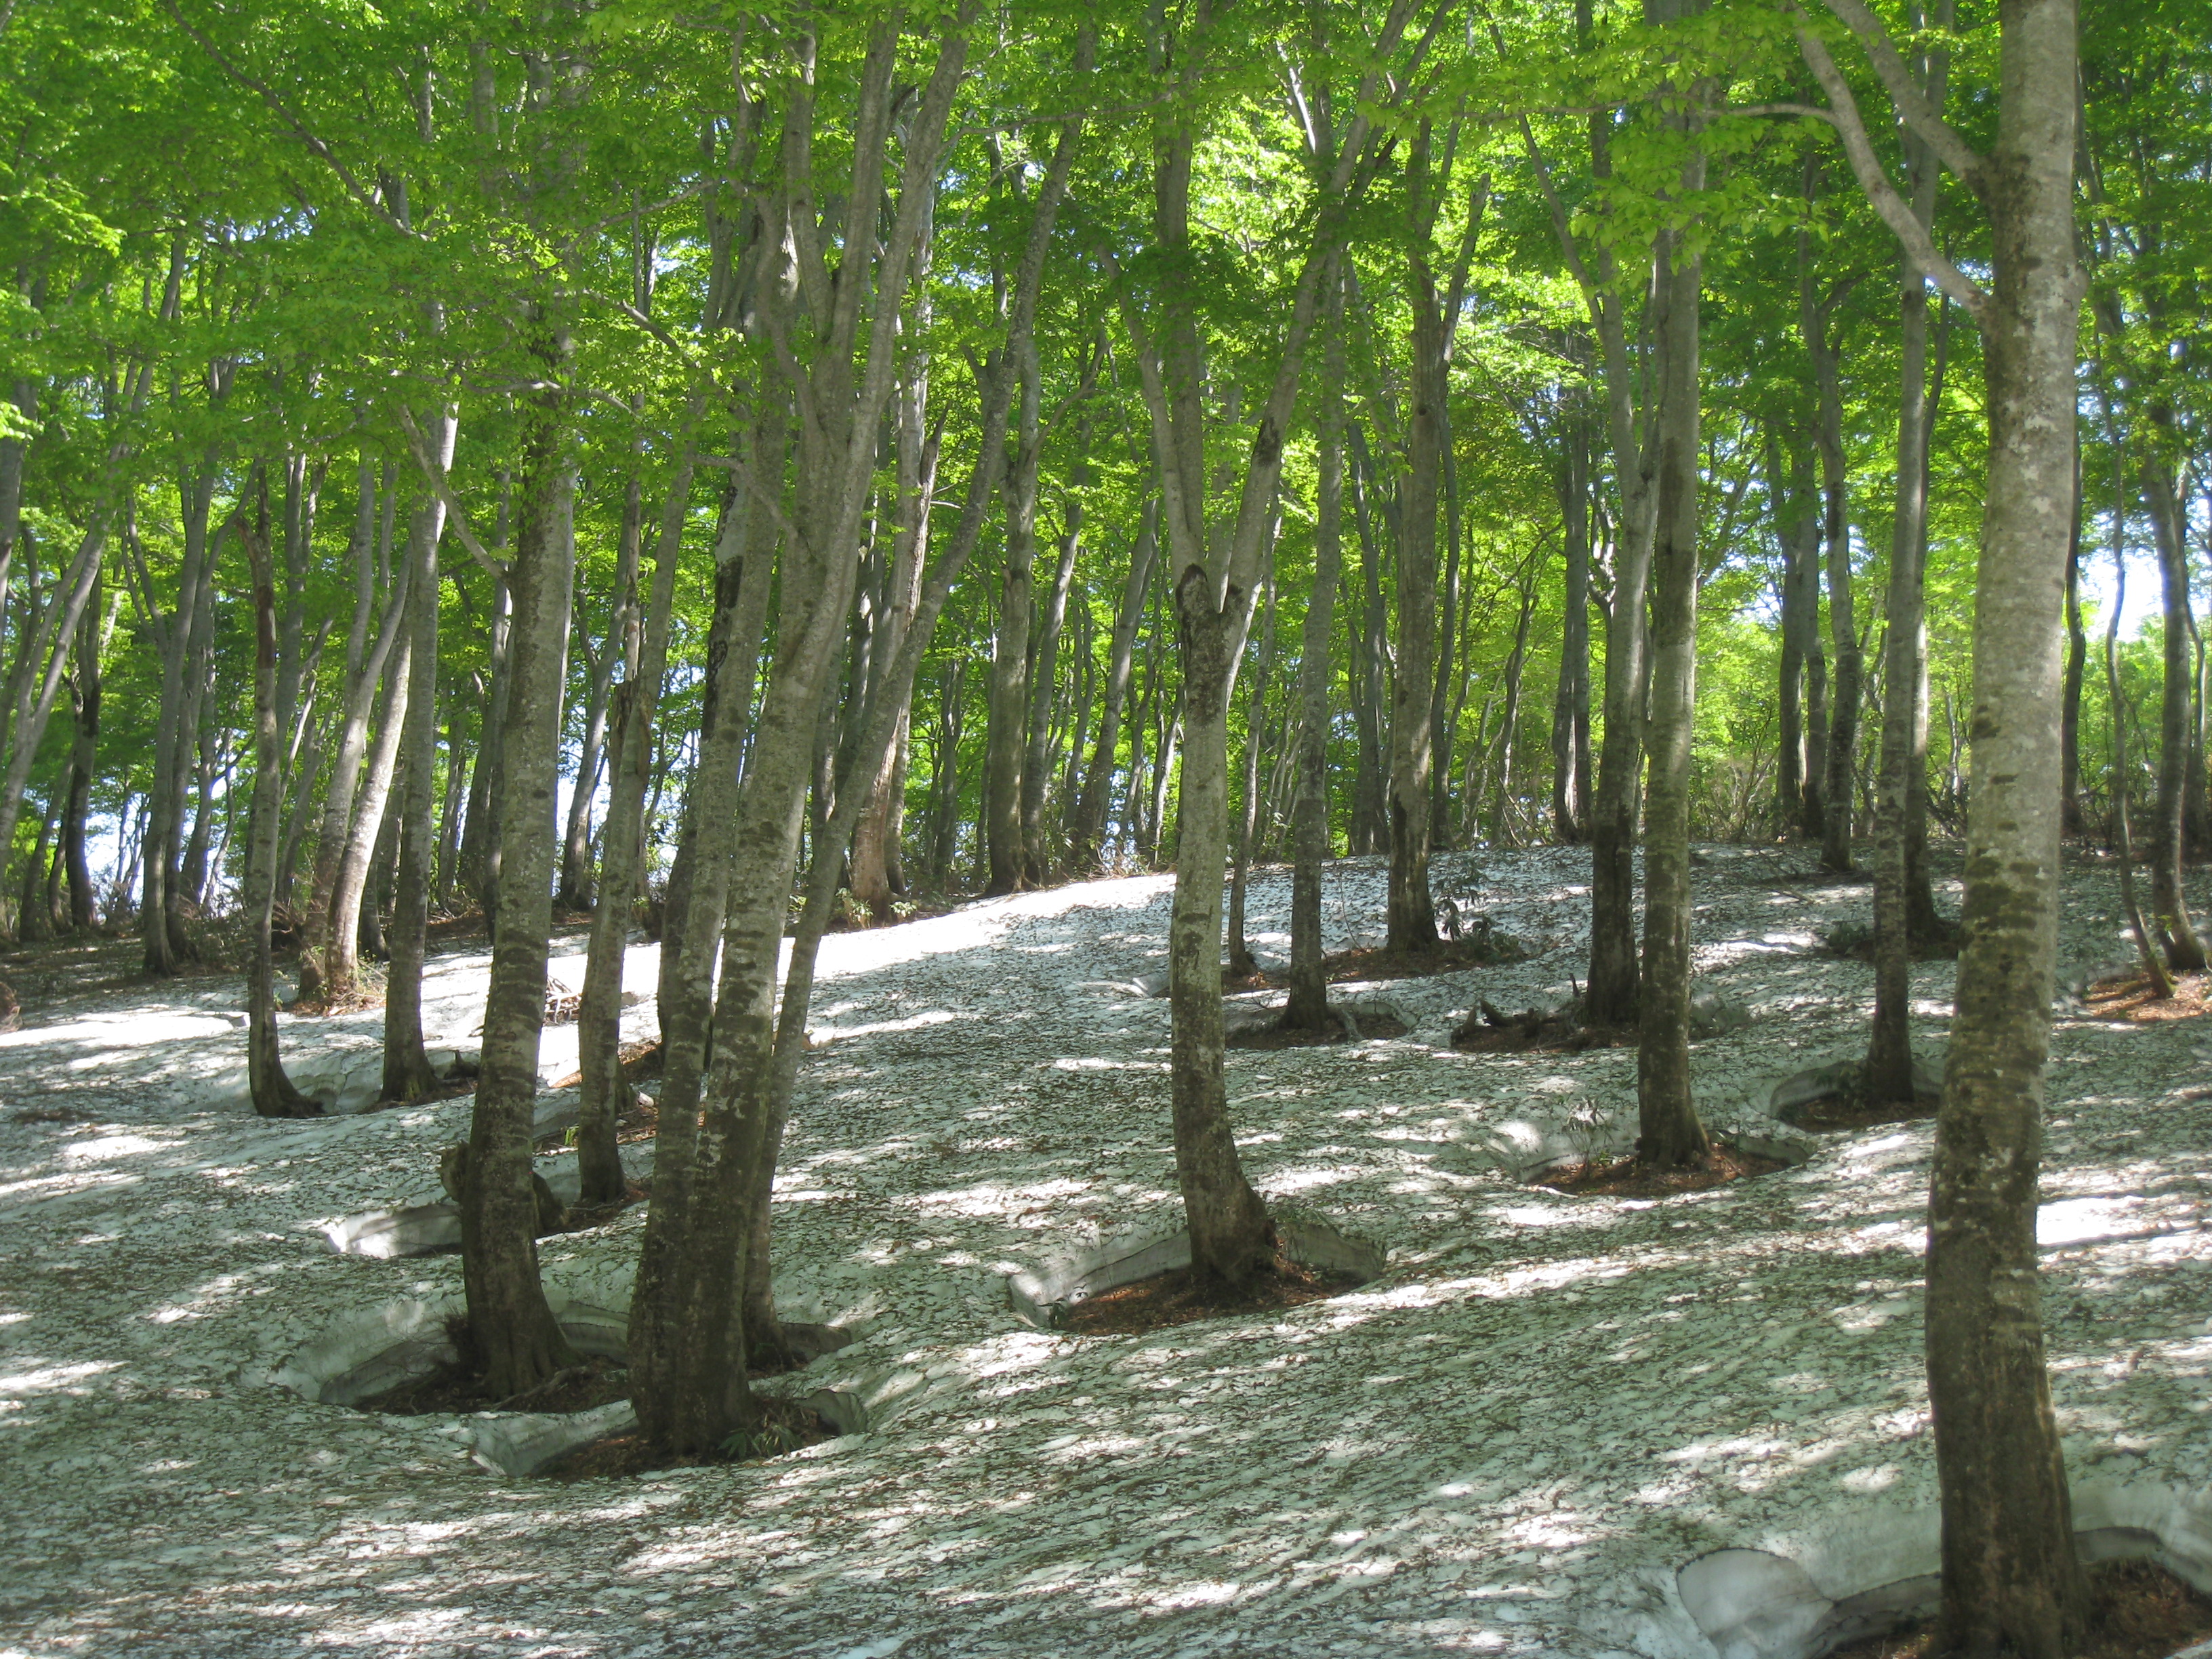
[1896,212]
[436,476]
[1912,107]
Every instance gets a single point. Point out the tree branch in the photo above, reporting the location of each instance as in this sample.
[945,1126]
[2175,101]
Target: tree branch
[1896,212]
[459,520]
[1911,105]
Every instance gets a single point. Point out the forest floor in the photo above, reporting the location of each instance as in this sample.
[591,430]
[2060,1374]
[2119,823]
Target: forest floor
[1509,1443]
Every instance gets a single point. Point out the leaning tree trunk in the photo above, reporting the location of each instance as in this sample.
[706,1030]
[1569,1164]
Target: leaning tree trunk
[1668,1132]
[357,857]
[512,1335]
[1248,816]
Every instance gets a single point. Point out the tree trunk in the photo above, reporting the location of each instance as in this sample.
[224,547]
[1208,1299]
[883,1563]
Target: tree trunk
[1668,1132]
[1006,741]
[604,1094]
[1570,756]
[1044,676]
[2146,950]
[84,755]
[408,1074]
[516,1342]
[270,1089]
[1836,539]
[1087,830]
[2010,1574]
[1256,719]
[1905,670]
[2071,822]
[2170,906]
[357,856]
[1308,1008]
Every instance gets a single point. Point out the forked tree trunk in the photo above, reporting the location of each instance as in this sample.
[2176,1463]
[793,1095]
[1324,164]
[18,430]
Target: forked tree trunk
[1668,1132]
[357,856]
[515,1340]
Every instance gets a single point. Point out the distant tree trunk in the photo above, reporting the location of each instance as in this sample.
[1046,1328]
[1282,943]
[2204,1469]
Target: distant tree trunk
[1905,671]
[83,756]
[480,844]
[598,1018]
[2177,932]
[357,857]
[1836,537]
[34,919]
[270,1089]
[1009,703]
[1370,819]
[574,892]
[2146,950]
[1410,912]
[161,910]
[2072,825]
[1256,720]
[1668,1132]
[408,1074]
[1571,757]
[366,665]
[1516,662]
[515,1340]
[1308,1008]
[1087,826]
[1044,676]
[877,875]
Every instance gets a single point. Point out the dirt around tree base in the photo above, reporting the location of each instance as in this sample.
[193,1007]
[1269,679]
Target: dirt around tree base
[2134,999]
[459,1387]
[1851,1105]
[1630,1178]
[1487,1031]
[1180,1298]
[786,1426]
[1274,1036]
[2138,1610]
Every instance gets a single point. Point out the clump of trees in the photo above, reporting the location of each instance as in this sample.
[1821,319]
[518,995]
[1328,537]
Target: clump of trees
[658,462]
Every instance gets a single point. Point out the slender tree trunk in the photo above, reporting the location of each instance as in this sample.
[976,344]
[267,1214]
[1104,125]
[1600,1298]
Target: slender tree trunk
[2176,932]
[1256,719]
[1836,539]
[270,1089]
[1668,1132]
[1087,831]
[1904,669]
[84,755]
[2153,959]
[1010,649]
[408,1074]
[604,1093]
[1410,913]
[357,857]
[1308,1008]
[1044,676]
[2072,825]
[1570,703]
